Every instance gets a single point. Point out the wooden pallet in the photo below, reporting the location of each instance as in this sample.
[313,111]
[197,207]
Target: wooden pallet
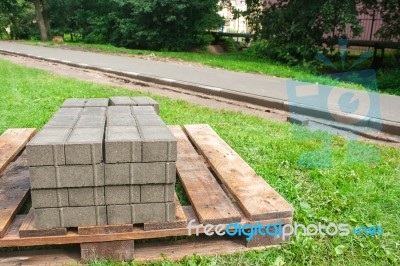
[221,187]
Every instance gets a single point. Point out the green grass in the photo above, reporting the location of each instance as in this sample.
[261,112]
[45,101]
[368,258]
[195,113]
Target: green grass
[239,61]
[361,193]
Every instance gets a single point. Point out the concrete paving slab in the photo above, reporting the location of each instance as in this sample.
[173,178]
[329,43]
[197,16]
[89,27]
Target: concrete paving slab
[49,198]
[47,147]
[122,144]
[121,195]
[159,145]
[87,196]
[84,146]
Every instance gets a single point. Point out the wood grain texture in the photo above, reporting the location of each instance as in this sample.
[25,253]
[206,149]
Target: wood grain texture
[263,241]
[41,257]
[11,144]
[256,197]
[14,189]
[209,201]
[105,229]
[12,239]
[180,221]
[28,228]
[113,250]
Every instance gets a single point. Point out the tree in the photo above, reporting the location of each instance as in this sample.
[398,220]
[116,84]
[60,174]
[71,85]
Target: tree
[42,18]
[168,24]
[17,16]
[295,30]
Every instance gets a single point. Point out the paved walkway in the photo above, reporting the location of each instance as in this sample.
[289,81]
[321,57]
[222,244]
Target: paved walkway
[309,99]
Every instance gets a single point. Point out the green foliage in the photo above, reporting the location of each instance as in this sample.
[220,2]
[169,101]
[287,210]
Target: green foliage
[169,24]
[296,29]
[146,24]
[18,17]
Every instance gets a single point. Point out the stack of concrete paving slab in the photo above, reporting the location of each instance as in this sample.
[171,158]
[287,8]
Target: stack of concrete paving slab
[95,164]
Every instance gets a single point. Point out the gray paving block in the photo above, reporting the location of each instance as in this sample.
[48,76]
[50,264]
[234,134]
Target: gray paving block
[47,218]
[119,214]
[97,102]
[144,100]
[47,147]
[121,100]
[74,102]
[122,144]
[118,111]
[81,176]
[140,173]
[94,111]
[83,216]
[153,212]
[49,198]
[157,193]
[149,120]
[128,120]
[43,177]
[88,196]
[93,121]
[72,111]
[84,146]
[159,145]
[143,110]
[121,195]
[153,173]
[117,174]
[66,121]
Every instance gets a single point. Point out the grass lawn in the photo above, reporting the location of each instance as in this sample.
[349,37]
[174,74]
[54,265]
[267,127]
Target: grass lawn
[244,62]
[362,193]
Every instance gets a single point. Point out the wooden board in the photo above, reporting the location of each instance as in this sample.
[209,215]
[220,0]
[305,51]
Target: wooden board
[144,252]
[28,228]
[105,229]
[12,239]
[14,188]
[114,251]
[181,220]
[12,142]
[256,197]
[41,257]
[209,201]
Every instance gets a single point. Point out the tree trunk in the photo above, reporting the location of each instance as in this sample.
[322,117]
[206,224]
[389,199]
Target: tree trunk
[46,15]
[40,21]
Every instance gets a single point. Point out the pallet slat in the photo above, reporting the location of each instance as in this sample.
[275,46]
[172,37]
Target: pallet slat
[12,142]
[256,197]
[14,188]
[209,201]
[28,228]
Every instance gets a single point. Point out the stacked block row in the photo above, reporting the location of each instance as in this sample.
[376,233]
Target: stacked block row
[95,164]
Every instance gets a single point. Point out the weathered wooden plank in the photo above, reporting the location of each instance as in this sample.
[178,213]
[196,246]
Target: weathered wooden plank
[209,201]
[41,257]
[105,229]
[122,250]
[11,144]
[28,228]
[180,222]
[144,252]
[258,200]
[12,239]
[14,188]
